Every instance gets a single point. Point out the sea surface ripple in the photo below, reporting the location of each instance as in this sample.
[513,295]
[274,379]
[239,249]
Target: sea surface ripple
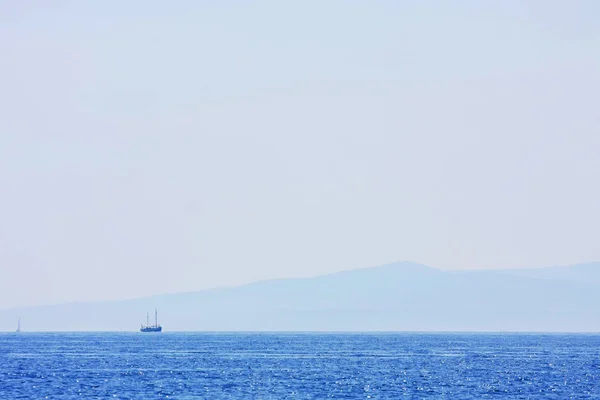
[299,366]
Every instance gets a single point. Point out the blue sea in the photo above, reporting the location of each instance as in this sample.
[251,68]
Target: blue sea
[298,366]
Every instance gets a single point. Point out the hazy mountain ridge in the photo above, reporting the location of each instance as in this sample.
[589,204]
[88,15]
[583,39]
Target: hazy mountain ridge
[399,296]
[587,273]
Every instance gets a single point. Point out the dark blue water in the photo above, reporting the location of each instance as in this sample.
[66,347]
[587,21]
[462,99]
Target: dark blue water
[299,366]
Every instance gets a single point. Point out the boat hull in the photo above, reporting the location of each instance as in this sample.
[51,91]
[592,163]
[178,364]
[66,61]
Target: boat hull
[148,329]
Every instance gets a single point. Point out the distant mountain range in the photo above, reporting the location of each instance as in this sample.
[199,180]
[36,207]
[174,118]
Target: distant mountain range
[396,297]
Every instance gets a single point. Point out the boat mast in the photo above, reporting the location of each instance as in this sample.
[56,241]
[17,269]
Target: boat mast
[155,317]
[19,325]
[147,319]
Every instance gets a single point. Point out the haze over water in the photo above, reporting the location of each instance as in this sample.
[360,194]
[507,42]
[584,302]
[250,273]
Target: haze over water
[152,147]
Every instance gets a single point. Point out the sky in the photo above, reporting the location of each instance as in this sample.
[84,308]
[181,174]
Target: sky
[152,147]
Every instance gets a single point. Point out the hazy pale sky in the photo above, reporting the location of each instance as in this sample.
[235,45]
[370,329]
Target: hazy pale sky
[152,146]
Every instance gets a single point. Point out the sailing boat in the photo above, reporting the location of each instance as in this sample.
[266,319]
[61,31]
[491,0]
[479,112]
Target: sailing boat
[151,328]
[19,325]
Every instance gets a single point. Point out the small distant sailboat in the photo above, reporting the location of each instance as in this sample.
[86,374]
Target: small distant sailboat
[151,328]
[19,325]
